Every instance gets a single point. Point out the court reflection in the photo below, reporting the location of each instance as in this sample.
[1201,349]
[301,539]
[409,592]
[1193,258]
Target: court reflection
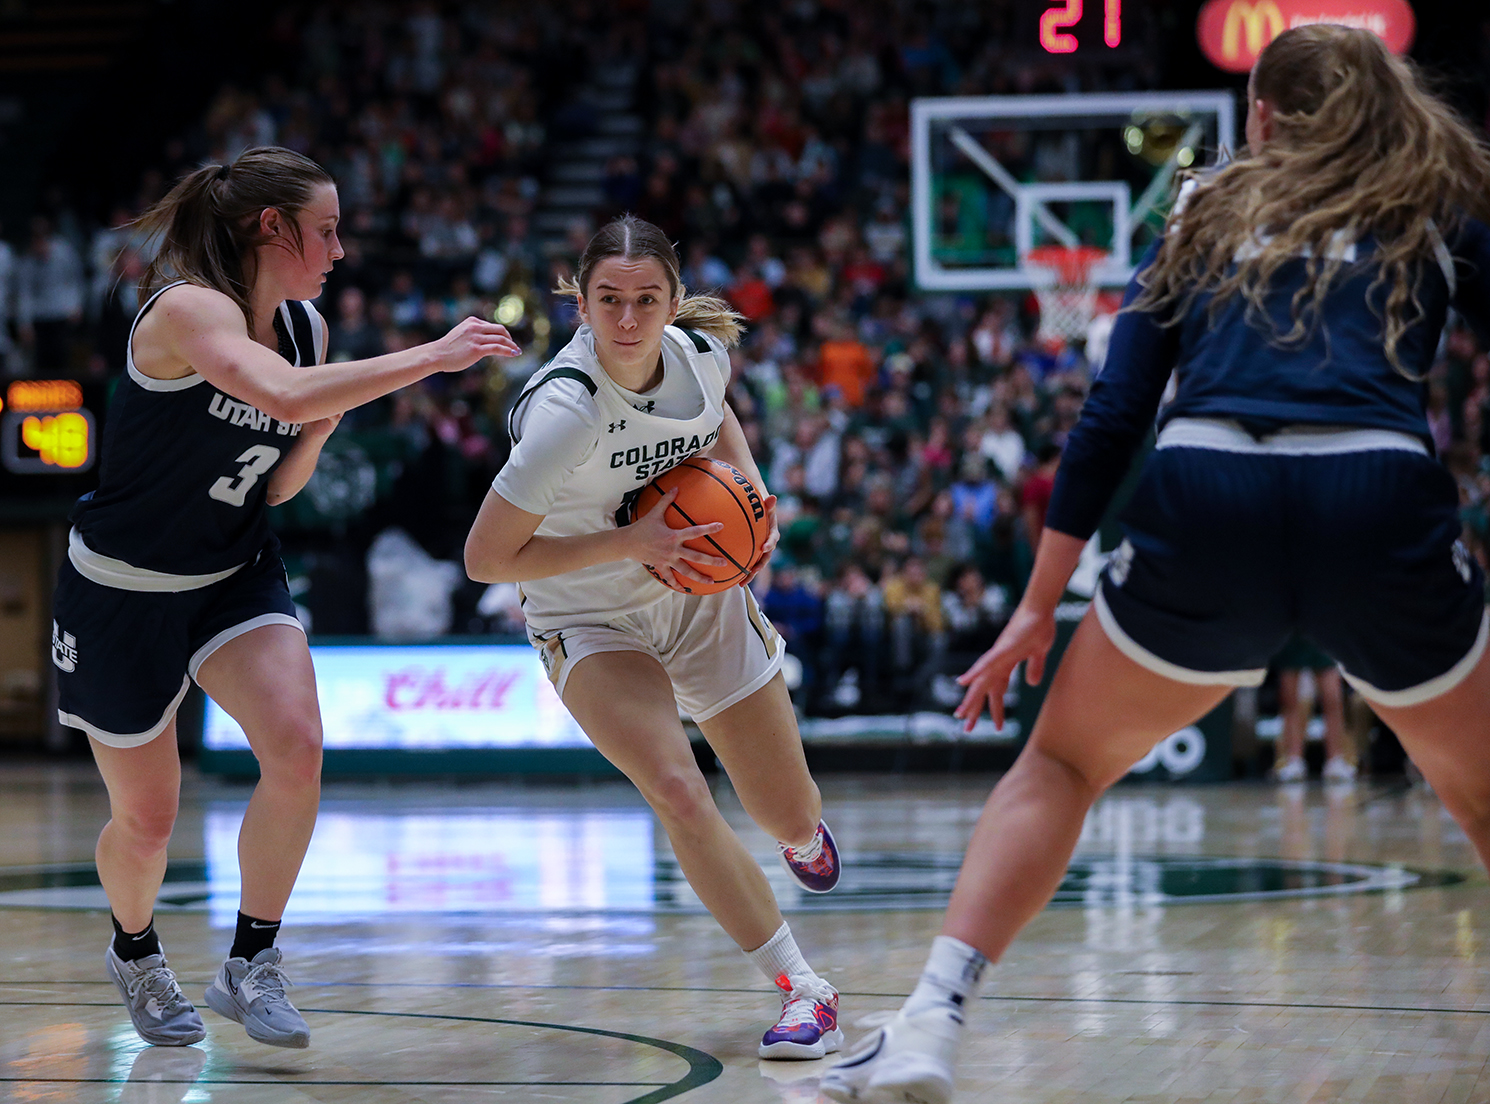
[364,863]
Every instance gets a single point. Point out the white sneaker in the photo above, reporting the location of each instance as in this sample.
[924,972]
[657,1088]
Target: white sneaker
[157,1007]
[1291,770]
[1339,769]
[253,993]
[904,1062]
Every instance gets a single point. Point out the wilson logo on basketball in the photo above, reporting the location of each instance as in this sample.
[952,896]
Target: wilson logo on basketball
[1232,33]
[757,507]
[420,688]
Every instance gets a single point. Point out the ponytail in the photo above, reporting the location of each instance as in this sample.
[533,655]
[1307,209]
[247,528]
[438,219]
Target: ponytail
[713,316]
[632,238]
[209,222]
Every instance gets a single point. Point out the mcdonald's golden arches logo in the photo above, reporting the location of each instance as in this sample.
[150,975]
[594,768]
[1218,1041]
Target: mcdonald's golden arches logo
[1232,33]
[1262,22]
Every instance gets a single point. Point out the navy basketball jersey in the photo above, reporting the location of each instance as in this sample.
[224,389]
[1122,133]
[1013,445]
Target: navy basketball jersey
[185,467]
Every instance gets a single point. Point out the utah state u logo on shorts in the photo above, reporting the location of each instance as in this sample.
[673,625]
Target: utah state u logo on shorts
[1461,561]
[64,649]
[1120,563]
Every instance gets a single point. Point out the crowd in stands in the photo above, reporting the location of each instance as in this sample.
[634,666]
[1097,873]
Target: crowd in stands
[911,439]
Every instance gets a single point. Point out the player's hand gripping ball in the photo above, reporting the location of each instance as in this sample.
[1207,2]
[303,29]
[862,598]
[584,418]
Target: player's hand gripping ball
[709,491]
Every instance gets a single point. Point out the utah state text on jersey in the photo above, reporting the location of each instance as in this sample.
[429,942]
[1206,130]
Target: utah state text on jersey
[241,414]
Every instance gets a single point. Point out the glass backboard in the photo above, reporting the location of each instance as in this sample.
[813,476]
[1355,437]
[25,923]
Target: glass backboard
[997,178]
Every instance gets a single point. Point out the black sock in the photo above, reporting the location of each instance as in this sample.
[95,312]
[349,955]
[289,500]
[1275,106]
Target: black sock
[133,945]
[253,936]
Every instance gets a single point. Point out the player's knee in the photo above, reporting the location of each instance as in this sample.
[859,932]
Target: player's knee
[1073,771]
[146,830]
[293,755]
[680,797]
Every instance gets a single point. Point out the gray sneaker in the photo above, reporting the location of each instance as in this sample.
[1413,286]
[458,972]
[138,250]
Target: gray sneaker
[157,1006]
[253,993]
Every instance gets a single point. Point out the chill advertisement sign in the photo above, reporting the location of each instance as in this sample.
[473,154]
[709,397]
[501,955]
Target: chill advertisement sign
[1232,33]
[425,697]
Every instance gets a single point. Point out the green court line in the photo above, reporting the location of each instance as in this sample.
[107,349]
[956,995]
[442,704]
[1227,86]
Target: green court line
[702,1067]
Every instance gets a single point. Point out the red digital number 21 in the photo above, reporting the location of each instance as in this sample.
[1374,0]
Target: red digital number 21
[1053,37]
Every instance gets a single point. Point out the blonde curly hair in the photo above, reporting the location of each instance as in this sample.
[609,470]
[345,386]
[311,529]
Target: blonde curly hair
[1358,148]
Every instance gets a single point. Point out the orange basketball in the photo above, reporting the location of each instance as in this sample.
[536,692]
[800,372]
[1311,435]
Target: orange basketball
[708,491]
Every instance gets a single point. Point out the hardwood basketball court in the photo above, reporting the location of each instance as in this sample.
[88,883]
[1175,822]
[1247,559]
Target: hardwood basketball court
[497,941]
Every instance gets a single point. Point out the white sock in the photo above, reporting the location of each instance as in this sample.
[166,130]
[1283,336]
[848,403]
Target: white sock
[779,957]
[953,973]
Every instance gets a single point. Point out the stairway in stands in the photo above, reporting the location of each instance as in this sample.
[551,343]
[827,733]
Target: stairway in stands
[599,123]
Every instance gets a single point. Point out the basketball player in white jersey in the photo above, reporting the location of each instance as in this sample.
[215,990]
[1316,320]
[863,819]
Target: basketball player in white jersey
[632,395]
[173,573]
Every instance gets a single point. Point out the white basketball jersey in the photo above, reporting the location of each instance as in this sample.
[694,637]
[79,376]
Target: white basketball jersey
[633,447]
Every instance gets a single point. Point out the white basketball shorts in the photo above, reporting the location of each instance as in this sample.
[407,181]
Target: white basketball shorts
[717,649]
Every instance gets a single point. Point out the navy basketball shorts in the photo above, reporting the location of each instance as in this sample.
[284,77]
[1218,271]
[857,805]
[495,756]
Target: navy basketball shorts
[125,658]
[1350,537]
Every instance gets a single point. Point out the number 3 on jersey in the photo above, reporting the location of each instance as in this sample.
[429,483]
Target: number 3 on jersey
[256,461]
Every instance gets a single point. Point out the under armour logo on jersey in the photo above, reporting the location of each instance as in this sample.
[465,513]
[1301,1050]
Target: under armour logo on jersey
[618,425]
[646,407]
[64,649]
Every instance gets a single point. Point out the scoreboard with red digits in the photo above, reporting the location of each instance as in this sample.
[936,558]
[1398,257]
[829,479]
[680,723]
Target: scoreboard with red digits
[1059,24]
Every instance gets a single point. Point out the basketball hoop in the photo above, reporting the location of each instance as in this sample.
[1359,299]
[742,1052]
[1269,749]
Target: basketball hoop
[1069,302]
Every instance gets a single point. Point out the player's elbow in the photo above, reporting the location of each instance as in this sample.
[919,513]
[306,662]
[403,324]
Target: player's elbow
[290,400]
[288,407]
[483,565]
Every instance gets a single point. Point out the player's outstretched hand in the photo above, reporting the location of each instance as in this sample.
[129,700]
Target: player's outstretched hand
[1028,637]
[470,340]
[772,539]
[663,548]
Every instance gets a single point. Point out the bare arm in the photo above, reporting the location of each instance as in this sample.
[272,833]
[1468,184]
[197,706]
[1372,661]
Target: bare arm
[731,447]
[290,477]
[504,547]
[203,330]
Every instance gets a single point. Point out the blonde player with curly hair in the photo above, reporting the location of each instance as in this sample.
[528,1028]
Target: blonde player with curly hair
[1298,295]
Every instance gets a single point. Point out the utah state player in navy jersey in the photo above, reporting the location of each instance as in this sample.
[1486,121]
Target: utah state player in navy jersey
[173,574]
[153,512]
[1298,296]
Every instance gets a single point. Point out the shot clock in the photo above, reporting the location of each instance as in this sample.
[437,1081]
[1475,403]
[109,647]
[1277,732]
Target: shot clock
[45,429]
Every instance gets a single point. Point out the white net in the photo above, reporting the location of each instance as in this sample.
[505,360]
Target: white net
[1069,303]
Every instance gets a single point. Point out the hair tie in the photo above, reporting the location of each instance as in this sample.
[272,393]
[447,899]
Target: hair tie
[222,172]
